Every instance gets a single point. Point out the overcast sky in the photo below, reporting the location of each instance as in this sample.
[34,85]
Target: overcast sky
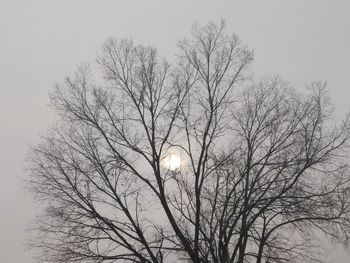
[41,42]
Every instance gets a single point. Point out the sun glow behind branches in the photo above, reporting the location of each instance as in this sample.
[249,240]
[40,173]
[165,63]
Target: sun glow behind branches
[172,162]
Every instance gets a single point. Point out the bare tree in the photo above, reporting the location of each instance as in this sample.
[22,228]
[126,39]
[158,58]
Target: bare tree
[261,171]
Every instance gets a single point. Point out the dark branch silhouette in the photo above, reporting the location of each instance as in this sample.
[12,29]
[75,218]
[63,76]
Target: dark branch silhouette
[262,168]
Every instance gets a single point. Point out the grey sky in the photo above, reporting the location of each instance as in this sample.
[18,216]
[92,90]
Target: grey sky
[41,42]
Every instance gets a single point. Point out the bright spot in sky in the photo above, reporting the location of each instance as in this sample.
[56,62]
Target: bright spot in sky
[172,162]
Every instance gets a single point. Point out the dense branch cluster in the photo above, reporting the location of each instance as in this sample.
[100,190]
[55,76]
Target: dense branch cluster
[262,173]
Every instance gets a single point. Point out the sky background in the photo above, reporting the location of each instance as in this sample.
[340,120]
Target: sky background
[41,42]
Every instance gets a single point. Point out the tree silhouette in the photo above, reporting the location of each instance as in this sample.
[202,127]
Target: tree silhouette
[261,169]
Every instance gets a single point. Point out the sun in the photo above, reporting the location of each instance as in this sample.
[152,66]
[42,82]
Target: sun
[172,162]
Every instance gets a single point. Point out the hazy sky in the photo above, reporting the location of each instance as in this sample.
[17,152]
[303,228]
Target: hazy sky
[41,42]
